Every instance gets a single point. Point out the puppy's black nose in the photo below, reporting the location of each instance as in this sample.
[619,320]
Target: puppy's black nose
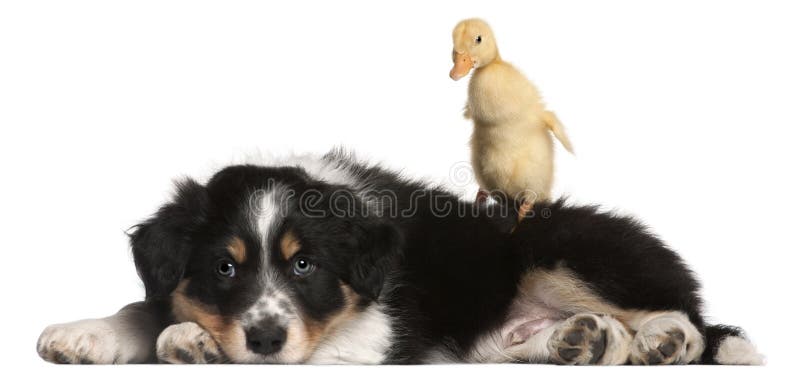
[266,340]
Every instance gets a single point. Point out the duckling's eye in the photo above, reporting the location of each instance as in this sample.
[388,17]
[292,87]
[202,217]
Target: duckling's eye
[302,266]
[478,39]
[226,268]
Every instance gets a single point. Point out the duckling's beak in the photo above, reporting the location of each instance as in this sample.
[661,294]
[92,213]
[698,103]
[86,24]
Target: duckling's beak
[462,63]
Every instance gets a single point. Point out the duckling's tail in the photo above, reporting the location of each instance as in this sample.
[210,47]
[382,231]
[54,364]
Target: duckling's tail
[558,130]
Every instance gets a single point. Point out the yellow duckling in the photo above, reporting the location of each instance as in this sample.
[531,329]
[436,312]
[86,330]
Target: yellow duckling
[512,150]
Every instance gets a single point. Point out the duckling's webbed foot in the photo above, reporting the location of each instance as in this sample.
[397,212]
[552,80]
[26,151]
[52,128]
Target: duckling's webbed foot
[524,210]
[481,197]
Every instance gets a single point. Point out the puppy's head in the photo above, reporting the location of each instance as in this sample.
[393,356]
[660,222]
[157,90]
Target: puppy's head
[267,260]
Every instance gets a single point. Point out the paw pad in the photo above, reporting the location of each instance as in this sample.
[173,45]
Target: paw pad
[660,349]
[579,341]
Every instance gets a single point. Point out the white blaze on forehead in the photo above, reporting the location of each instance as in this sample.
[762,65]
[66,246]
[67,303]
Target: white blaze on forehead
[267,208]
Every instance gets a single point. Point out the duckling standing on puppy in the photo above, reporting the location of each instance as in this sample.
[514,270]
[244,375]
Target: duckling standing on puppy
[512,150]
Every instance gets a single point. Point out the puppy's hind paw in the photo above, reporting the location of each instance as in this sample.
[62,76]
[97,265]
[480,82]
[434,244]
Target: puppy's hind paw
[666,340]
[579,341]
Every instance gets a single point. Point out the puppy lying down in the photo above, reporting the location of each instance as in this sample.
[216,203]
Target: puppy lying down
[326,260]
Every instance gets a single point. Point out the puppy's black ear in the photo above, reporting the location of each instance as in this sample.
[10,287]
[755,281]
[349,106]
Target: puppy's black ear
[161,245]
[381,246]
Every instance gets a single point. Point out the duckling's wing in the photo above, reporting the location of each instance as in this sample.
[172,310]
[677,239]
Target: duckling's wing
[557,129]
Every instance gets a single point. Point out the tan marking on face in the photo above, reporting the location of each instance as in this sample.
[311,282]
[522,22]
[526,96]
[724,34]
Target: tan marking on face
[317,330]
[238,250]
[289,245]
[226,331]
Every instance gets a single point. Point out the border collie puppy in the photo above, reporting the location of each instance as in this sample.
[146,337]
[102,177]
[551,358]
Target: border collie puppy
[328,260]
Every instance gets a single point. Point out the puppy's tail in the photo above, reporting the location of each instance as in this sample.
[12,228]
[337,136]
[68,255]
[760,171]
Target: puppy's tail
[727,345]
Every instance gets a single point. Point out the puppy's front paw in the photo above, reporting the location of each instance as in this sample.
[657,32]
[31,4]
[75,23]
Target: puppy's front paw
[90,341]
[666,340]
[187,343]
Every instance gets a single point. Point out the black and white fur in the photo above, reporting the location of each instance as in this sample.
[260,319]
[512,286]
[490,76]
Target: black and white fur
[577,286]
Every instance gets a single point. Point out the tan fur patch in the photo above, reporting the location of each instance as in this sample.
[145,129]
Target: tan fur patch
[317,330]
[561,289]
[289,245]
[224,330]
[636,319]
[238,250]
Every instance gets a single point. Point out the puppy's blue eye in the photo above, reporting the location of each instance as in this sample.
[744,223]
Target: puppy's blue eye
[303,266]
[226,269]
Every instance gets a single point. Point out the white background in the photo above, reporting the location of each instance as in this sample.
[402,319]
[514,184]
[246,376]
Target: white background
[684,113]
